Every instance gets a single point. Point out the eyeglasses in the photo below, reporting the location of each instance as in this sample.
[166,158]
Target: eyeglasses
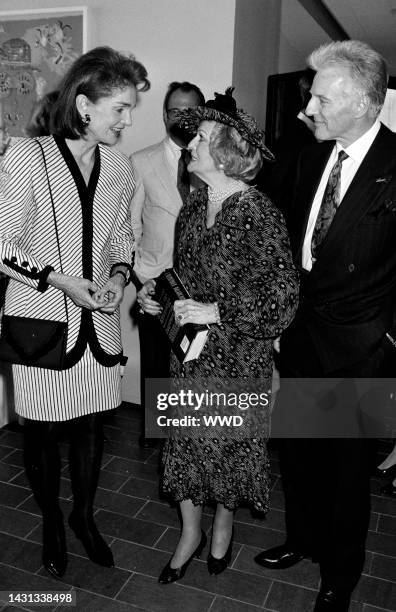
[172,113]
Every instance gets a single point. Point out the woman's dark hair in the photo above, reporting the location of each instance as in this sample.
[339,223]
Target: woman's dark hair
[95,74]
[39,122]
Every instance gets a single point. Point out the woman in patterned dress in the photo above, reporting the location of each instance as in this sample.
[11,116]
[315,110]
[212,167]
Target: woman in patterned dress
[76,274]
[232,254]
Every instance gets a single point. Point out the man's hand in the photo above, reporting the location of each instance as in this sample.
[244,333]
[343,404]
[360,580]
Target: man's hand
[145,301]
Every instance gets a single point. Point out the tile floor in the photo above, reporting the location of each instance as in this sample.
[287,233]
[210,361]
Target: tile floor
[143,529]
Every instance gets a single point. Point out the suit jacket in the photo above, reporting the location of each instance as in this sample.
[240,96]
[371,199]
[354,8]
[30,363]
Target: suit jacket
[348,299]
[94,234]
[155,207]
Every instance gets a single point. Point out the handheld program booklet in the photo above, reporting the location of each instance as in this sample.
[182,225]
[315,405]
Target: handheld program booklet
[187,341]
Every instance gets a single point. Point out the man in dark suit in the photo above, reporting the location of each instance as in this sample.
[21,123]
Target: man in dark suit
[343,236]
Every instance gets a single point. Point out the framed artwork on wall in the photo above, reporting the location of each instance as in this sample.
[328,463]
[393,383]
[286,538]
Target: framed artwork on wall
[36,49]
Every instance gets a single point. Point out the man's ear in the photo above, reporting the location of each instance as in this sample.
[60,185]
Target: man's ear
[362,105]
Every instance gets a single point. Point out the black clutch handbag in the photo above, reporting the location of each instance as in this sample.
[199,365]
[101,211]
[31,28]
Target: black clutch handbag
[33,342]
[40,343]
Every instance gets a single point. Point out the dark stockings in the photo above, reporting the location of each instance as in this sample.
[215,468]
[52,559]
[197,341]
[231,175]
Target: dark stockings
[85,458]
[42,464]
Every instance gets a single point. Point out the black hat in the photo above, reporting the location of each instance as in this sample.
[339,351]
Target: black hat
[223,109]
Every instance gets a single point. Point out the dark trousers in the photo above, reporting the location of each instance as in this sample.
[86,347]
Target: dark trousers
[326,480]
[327,503]
[154,353]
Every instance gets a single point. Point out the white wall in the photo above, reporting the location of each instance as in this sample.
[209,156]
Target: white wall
[175,40]
[256,51]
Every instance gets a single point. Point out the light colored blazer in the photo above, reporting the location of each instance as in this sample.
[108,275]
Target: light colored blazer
[155,207]
[94,234]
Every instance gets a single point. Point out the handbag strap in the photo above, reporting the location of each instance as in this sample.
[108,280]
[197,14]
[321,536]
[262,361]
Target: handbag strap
[55,223]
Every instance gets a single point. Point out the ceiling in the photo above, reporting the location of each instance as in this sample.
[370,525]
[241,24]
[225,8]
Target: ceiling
[373,21]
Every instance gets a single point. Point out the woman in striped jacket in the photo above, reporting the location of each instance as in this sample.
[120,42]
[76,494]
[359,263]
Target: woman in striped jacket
[69,261]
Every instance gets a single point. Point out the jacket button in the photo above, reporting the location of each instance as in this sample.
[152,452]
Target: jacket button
[351,267]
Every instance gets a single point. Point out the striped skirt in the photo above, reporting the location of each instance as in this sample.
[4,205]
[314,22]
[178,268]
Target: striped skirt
[50,395]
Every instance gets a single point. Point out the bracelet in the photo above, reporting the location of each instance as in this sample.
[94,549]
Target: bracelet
[217,313]
[122,274]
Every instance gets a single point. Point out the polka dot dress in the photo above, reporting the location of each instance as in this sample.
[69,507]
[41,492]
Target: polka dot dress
[243,262]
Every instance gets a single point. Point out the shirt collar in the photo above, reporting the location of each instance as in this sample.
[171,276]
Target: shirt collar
[172,147]
[358,149]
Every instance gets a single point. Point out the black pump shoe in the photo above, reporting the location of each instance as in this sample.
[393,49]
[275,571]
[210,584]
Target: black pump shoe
[387,472]
[171,574]
[216,566]
[54,547]
[95,546]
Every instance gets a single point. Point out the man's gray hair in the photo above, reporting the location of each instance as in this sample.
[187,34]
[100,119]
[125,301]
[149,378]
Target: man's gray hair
[367,67]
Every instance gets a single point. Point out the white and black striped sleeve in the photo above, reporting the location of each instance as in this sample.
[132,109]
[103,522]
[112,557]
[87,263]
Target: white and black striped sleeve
[17,216]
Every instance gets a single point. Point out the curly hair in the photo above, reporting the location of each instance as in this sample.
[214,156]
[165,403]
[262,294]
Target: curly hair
[238,158]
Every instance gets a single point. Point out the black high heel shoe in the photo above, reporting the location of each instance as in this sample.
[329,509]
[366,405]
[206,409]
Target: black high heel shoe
[171,574]
[387,472]
[217,566]
[54,546]
[95,546]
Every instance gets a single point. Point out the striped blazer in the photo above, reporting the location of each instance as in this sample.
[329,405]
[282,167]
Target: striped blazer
[94,232]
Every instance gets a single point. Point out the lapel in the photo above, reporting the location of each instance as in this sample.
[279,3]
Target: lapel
[312,167]
[163,173]
[362,195]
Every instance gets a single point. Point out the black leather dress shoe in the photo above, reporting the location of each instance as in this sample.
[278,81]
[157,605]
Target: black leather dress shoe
[387,472]
[279,557]
[331,601]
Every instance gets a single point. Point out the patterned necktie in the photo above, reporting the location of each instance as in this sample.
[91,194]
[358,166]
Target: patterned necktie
[183,177]
[329,205]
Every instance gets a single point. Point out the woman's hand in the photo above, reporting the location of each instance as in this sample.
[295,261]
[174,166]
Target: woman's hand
[80,290]
[145,300]
[190,311]
[111,294]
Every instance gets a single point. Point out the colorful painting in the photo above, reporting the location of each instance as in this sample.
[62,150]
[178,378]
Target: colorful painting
[36,49]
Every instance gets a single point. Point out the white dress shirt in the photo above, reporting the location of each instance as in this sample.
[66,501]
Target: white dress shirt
[356,153]
[172,154]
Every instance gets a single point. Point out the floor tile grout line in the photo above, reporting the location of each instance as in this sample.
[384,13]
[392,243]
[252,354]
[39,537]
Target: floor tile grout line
[136,515]
[131,573]
[160,538]
[212,603]
[263,605]
[123,587]
[381,554]
[237,555]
